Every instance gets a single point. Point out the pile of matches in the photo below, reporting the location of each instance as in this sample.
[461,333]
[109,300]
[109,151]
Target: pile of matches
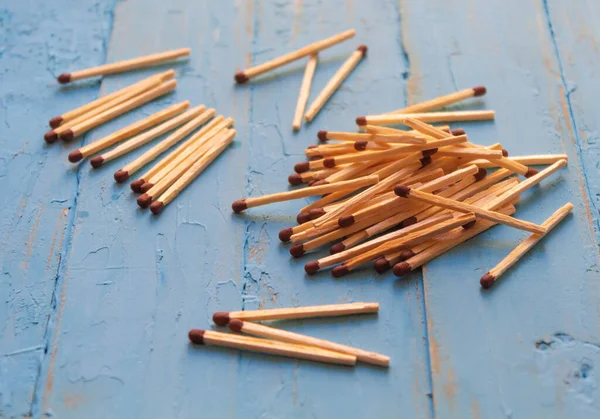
[281,342]
[401,198]
[311,51]
[167,178]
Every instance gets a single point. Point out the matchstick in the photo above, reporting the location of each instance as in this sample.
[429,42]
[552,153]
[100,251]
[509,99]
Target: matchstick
[442,101]
[254,329]
[118,110]
[402,137]
[309,72]
[393,119]
[243,204]
[249,73]
[209,337]
[525,246]
[533,160]
[147,136]
[123,66]
[299,178]
[222,318]
[377,129]
[406,192]
[192,173]
[68,116]
[123,174]
[335,82]
[128,131]
[470,153]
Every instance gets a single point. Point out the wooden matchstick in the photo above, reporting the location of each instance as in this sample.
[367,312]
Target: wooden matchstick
[442,101]
[254,329]
[243,204]
[68,116]
[128,131]
[393,119]
[123,66]
[221,318]
[533,160]
[335,82]
[299,178]
[249,73]
[470,153]
[245,343]
[192,173]
[406,192]
[309,72]
[402,137]
[147,136]
[118,110]
[378,129]
[525,246]
[123,174]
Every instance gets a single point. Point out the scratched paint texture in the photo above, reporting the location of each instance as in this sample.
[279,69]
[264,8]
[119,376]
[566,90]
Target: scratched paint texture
[98,296]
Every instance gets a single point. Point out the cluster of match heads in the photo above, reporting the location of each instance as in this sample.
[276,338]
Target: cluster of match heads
[196,136]
[400,198]
[255,337]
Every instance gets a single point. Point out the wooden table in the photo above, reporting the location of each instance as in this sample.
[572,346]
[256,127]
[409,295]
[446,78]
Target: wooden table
[98,295]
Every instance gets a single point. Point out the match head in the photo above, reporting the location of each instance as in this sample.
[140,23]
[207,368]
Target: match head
[301,167]
[221,318]
[240,77]
[340,271]
[361,121]
[297,250]
[50,137]
[302,217]
[239,206]
[504,152]
[97,161]
[381,265]
[295,179]
[285,234]
[401,269]
[316,213]
[409,221]
[337,248]
[136,185]
[312,267]
[329,163]
[64,78]
[196,336]
[407,254]
[362,48]
[425,161]
[55,122]
[121,176]
[481,174]
[458,131]
[146,186]
[402,190]
[67,135]
[312,146]
[479,91]
[144,200]
[430,152]
[236,325]
[346,220]
[320,182]
[322,136]
[531,172]
[487,281]
[75,156]
[360,145]
[156,207]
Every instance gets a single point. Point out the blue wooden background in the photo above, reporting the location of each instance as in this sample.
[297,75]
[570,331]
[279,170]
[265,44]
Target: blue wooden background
[98,296]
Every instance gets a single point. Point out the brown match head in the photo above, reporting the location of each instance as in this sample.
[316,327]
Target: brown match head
[360,145]
[504,152]
[64,78]
[302,217]
[146,186]
[312,267]
[329,163]
[236,325]
[409,221]
[481,174]
[55,122]
[322,136]
[479,91]
[285,234]
[469,224]
[487,281]
[297,250]
[362,48]
[346,220]
[75,156]
[425,161]
[316,213]
[50,137]
[301,167]
[381,265]
[430,152]
[136,185]
[361,121]
[67,135]
[240,77]
[295,179]
[531,172]
[156,207]
[121,176]
[313,158]
[196,336]
[401,269]
[340,270]
[312,146]
[407,254]
[402,190]
[221,318]
[337,248]
[97,161]
[144,200]
[320,182]
[458,131]
[239,206]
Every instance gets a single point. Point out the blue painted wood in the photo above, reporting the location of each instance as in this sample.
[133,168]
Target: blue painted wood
[100,296]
